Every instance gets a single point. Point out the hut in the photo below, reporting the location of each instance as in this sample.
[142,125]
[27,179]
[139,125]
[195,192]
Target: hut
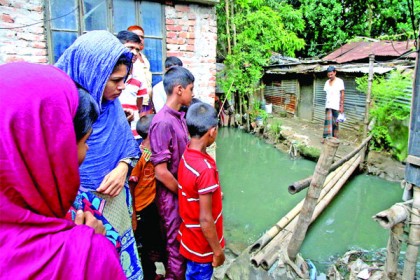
[296,86]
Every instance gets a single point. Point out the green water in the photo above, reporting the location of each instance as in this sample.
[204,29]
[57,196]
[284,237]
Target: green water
[255,176]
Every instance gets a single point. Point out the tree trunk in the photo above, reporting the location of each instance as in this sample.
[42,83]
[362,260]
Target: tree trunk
[227,10]
[320,174]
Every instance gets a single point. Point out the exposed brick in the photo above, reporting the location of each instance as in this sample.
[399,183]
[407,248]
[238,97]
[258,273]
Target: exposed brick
[174,53]
[171,41]
[38,45]
[190,48]
[171,35]
[30,37]
[182,8]
[174,28]
[37,59]
[14,58]
[191,22]
[183,35]
[192,16]
[180,15]
[170,21]
[191,41]
[7,18]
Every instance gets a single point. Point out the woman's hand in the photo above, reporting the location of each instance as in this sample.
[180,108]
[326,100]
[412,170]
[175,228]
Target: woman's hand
[113,182]
[87,218]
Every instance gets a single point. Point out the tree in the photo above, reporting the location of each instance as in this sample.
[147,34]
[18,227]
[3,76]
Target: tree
[258,28]
[389,112]
[332,23]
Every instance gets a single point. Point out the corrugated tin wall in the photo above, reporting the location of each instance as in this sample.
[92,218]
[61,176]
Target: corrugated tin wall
[282,94]
[354,103]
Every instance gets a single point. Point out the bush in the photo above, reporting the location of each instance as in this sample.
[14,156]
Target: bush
[390,110]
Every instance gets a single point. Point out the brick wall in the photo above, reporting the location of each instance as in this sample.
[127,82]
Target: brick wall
[191,35]
[24,43]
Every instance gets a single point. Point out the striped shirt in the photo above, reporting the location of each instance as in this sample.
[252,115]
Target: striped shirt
[198,175]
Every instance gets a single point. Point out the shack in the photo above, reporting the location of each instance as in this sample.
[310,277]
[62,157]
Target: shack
[296,86]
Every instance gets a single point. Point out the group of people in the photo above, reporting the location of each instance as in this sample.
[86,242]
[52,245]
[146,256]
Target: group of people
[80,197]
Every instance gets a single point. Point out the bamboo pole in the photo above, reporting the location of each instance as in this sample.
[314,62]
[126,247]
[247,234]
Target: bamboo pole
[393,251]
[269,256]
[320,174]
[332,178]
[304,183]
[413,242]
[367,107]
[398,213]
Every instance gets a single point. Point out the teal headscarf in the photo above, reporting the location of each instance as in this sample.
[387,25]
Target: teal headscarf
[89,61]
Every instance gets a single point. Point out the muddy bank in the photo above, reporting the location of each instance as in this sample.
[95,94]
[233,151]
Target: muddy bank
[303,138]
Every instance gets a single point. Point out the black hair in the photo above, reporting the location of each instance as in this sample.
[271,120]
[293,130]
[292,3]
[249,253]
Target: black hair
[87,113]
[127,36]
[172,61]
[200,118]
[143,124]
[177,75]
[330,69]
[125,59]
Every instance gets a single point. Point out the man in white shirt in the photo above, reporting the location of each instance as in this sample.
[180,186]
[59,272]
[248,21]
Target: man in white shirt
[334,88]
[159,94]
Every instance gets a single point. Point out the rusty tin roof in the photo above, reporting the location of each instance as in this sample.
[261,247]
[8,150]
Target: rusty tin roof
[361,50]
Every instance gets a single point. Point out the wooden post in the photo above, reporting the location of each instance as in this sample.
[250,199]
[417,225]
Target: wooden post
[368,101]
[393,251]
[413,242]
[321,172]
[227,11]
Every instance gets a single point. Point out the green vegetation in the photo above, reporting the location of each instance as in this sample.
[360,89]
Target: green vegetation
[332,23]
[275,128]
[389,112]
[248,33]
[307,152]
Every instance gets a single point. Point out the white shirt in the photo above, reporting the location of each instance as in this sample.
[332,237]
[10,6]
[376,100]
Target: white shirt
[333,93]
[159,96]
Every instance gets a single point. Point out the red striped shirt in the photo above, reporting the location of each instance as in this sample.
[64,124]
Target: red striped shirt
[197,174]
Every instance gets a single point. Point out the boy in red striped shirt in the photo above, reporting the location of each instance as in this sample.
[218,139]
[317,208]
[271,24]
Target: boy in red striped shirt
[200,197]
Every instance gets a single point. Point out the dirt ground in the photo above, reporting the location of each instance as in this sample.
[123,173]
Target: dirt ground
[309,133]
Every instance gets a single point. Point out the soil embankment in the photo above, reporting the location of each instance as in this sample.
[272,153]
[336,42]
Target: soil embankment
[306,137]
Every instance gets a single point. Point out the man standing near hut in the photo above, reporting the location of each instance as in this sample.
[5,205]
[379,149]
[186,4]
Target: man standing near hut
[334,88]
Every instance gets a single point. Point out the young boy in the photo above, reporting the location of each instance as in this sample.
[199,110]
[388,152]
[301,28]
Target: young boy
[131,97]
[200,197]
[146,221]
[168,139]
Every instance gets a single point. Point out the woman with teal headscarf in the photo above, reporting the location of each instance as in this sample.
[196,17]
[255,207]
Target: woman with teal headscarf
[98,63]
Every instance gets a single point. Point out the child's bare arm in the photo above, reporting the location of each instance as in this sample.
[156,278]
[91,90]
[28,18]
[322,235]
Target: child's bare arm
[209,229]
[162,174]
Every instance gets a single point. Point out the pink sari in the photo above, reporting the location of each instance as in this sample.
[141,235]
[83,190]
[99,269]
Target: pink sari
[39,179]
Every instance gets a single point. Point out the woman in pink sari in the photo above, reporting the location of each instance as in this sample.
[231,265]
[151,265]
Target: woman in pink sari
[39,180]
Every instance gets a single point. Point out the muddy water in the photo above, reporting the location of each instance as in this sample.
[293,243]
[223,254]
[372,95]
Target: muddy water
[255,176]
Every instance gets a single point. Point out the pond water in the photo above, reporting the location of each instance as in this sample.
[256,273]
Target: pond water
[255,176]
